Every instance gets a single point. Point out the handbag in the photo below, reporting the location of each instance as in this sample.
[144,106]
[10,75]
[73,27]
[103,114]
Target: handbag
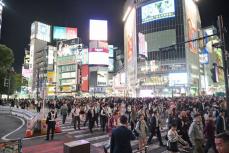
[172,146]
[135,132]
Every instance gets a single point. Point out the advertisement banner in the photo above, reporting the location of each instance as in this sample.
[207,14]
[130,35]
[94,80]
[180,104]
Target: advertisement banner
[130,51]
[193,23]
[204,56]
[102,78]
[50,55]
[51,77]
[142,46]
[98,30]
[43,32]
[111,50]
[85,80]
[176,79]
[71,33]
[99,50]
[85,56]
[27,73]
[64,33]
[98,58]
[59,32]
[158,10]
[111,65]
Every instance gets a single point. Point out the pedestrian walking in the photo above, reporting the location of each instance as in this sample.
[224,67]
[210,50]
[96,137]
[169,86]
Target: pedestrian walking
[196,134]
[64,112]
[141,128]
[50,121]
[121,137]
[76,116]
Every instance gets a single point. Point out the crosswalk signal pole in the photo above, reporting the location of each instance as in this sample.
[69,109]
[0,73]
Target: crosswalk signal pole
[225,56]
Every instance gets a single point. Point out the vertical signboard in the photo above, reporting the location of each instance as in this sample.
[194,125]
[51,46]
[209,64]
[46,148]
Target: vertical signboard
[85,56]
[1,8]
[142,46]
[192,24]
[130,51]
[85,81]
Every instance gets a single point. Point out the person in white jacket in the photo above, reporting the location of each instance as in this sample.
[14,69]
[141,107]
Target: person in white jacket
[174,139]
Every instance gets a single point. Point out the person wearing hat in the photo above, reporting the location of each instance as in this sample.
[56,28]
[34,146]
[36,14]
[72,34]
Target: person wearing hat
[50,121]
[196,134]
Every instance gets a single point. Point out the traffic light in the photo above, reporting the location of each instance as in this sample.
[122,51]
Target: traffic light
[214,73]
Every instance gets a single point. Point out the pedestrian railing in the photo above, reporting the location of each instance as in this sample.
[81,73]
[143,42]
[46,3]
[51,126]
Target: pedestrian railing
[12,146]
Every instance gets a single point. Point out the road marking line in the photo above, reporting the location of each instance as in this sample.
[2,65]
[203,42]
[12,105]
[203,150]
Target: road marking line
[23,123]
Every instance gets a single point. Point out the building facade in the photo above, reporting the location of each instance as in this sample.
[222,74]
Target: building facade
[159,60]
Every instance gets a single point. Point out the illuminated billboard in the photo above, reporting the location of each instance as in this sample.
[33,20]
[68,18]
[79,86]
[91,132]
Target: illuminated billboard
[176,79]
[158,10]
[98,30]
[98,58]
[102,78]
[43,32]
[85,80]
[142,45]
[64,33]
[192,24]
[111,65]
[111,50]
[85,56]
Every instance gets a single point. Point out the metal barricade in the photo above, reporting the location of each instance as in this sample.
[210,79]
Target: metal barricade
[12,146]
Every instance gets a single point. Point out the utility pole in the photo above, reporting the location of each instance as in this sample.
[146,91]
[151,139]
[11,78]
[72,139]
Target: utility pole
[38,82]
[224,55]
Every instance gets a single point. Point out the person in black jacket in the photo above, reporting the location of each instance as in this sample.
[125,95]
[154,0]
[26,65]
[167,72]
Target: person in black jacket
[155,128]
[50,121]
[220,123]
[121,137]
[91,118]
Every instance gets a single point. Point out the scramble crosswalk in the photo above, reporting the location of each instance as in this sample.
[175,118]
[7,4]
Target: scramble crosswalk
[99,138]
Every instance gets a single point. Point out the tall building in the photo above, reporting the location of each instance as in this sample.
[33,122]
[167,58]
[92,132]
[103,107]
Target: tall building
[40,36]
[157,61]
[98,58]
[69,59]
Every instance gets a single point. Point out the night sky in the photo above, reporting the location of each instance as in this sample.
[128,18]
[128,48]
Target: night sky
[19,14]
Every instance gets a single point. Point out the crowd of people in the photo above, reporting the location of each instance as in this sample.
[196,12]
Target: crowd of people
[196,123]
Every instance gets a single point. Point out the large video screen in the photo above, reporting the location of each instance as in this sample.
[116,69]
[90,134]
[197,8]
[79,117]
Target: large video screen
[98,58]
[64,33]
[43,32]
[158,10]
[98,30]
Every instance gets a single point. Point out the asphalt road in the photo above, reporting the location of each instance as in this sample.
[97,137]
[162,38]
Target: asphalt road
[10,123]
